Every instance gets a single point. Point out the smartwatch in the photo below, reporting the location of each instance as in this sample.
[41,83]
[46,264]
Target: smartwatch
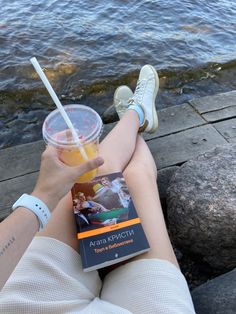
[36,206]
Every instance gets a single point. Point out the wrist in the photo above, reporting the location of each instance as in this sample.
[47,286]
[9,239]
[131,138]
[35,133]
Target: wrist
[36,206]
[50,200]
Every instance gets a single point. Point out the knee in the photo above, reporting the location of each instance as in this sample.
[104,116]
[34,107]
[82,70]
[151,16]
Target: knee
[109,167]
[140,166]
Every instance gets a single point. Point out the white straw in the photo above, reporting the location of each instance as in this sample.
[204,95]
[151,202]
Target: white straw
[48,86]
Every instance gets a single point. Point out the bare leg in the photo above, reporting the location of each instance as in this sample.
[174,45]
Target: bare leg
[62,224]
[116,149]
[140,175]
[149,285]
[118,146]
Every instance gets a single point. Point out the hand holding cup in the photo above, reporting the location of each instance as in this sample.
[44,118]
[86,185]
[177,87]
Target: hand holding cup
[56,178]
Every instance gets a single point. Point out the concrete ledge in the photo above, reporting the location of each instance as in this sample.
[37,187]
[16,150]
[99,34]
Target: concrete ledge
[227,129]
[214,102]
[11,190]
[184,132]
[20,160]
[220,115]
[177,148]
[176,119]
[232,140]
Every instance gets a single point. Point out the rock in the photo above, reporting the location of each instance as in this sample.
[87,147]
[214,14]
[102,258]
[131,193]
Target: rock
[178,254]
[163,178]
[217,296]
[5,138]
[195,270]
[110,115]
[201,205]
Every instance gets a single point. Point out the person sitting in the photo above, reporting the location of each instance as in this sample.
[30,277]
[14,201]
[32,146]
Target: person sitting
[48,275]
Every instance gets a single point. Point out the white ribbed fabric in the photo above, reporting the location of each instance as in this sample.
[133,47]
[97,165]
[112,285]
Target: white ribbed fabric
[49,279]
[148,286]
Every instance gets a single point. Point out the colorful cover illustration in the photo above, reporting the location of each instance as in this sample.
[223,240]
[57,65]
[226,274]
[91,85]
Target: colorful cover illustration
[108,226]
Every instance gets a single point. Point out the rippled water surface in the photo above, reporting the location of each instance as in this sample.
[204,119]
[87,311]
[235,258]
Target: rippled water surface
[90,47]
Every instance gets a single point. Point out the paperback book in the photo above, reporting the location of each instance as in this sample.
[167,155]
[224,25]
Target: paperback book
[108,227]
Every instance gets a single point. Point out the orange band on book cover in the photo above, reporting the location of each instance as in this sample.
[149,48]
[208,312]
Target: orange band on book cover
[90,233]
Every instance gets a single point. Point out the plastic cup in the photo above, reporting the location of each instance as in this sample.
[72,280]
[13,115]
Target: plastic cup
[88,126]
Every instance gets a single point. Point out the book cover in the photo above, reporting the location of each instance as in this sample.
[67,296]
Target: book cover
[108,227]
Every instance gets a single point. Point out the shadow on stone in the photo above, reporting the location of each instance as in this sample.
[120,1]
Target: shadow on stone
[217,296]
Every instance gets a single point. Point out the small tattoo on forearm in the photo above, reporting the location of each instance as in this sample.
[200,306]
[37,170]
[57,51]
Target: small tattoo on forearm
[6,246]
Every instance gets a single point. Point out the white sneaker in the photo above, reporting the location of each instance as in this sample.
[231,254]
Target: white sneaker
[121,96]
[145,95]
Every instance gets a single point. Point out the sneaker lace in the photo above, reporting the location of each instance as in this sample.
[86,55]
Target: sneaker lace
[138,94]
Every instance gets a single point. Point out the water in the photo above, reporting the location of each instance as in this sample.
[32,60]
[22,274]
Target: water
[90,47]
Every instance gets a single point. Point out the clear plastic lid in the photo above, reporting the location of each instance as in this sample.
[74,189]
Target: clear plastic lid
[86,121]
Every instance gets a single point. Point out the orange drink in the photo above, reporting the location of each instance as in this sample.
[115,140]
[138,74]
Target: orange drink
[88,126]
[74,158]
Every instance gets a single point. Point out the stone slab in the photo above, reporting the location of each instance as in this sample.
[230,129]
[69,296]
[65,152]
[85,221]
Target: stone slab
[226,128]
[214,102]
[10,190]
[219,115]
[19,160]
[177,148]
[232,140]
[176,119]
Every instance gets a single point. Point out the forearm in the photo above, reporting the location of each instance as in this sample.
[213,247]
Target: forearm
[16,233]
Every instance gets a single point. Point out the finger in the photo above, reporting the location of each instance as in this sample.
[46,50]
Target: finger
[50,151]
[89,165]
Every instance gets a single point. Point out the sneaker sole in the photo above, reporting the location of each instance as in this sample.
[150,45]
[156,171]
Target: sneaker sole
[117,91]
[116,99]
[154,112]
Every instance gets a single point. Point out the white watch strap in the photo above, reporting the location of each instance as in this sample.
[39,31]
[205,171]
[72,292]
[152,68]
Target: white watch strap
[36,206]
